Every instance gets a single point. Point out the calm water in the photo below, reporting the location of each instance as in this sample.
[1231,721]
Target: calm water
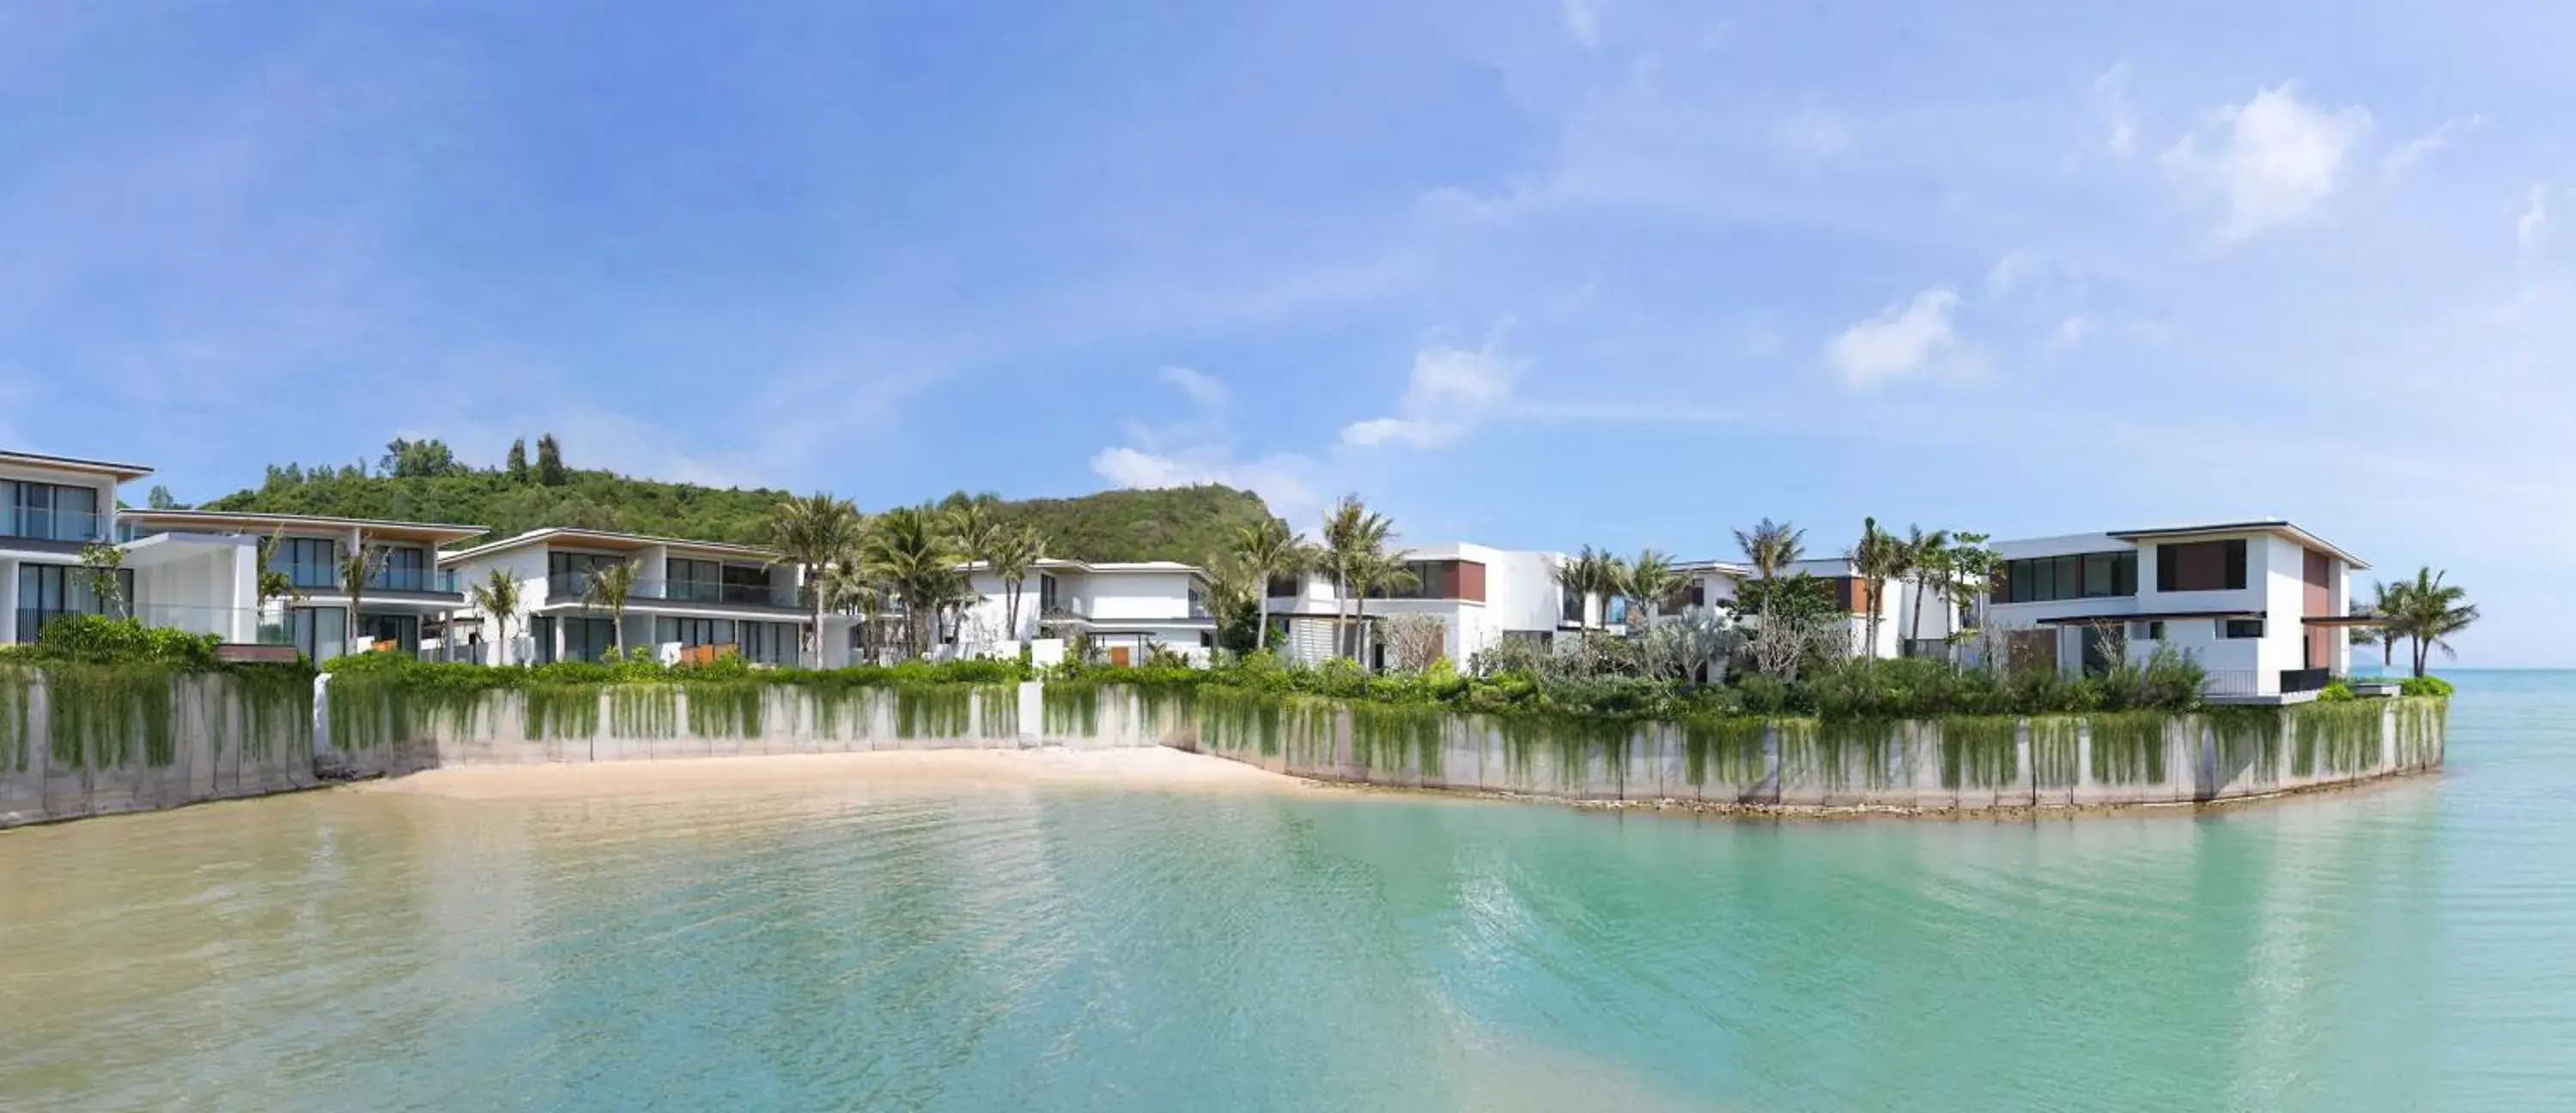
[2411,947]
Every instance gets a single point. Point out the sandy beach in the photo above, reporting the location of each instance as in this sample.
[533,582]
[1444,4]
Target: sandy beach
[1143,766]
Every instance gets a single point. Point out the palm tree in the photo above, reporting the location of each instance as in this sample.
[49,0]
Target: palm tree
[1012,556]
[1233,588]
[608,588]
[1268,550]
[364,561]
[1589,574]
[1927,560]
[850,585]
[499,597]
[1770,547]
[1352,534]
[2431,611]
[1374,570]
[810,533]
[908,552]
[1875,557]
[2387,604]
[275,582]
[1651,579]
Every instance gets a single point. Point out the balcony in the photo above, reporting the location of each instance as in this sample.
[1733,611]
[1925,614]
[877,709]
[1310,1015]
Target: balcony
[425,580]
[79,527]
[571,586]
[227,623]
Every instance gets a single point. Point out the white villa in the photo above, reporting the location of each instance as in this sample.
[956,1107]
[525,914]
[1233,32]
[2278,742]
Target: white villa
[406,597]
[1899,601]
[1122,609]
[1481,594]
[687,596]
[2264,606]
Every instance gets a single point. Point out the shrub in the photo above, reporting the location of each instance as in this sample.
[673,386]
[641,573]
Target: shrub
[97,640]
[2336,692]
[2425,686]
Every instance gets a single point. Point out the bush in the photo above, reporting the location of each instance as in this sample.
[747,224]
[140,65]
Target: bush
[2425,686]
[97,640]
[2337,692]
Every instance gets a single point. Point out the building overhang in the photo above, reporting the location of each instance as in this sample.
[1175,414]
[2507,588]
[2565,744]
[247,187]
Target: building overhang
[678,609]
[2218,530]
[119,472]
[171,548]
[2143,616]
[612,542]
[2340,620]
[213,521]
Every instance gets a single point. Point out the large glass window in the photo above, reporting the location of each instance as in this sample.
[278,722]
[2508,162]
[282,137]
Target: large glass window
[769,643]
[50,512]
[400,630]
[694,632]
[320,633]
[587,639]
[404,569]
[307,561]
[2075,576]
[568,574]
[2201,566]
[696,581]
[47,592]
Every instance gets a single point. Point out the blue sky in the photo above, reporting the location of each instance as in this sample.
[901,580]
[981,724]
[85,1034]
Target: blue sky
[1534,273]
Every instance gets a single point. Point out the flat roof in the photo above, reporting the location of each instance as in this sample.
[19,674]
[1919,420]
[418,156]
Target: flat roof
[2282,526]
[603,540]
[437,532]
[122,472]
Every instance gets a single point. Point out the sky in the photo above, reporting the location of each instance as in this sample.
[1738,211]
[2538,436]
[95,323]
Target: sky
[1531,273]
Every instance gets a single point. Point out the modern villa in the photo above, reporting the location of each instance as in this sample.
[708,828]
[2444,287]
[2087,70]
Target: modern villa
[1900,632]
[50,507]
[1481,594]
[690,598]
[1122,609]
[2264,606]
[406,596]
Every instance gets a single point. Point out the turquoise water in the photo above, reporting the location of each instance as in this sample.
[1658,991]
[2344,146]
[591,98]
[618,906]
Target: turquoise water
[2411,946]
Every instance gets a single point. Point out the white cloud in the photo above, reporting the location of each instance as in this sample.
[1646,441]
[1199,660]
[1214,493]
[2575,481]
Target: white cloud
[2111,92]
[1284,481]
[2270,160]
[2534,222]
[1815,133]
[1582,20]
[2424,146]
[2070,334]
[1451,389]
[1906,339]
[2011,274]
[1205,391]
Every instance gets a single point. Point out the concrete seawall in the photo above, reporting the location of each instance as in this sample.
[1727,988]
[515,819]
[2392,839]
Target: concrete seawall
[1950,764]
[131,746]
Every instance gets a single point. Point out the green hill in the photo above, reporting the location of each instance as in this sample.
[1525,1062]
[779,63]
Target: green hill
[421,482]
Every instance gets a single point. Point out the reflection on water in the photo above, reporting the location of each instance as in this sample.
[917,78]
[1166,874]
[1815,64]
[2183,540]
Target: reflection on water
[1081,947]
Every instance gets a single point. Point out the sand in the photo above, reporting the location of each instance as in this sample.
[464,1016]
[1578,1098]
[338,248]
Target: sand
[1144,766]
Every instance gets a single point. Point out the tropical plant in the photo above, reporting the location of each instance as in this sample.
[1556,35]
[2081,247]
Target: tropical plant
[608,588]
[1266,549]
[1650,579]
[811,533]
[550,465]
[1012,557]
[908,552]
[100,566]
[1377,570]
[1415,641]
[2430,611]
[1588,575]
[1927,562]
[1967,573]
[364,561]
[1770,547]
[275,582]
[499,597]
[2387,603]
[1233,594]
[1875,558]
[1352,535]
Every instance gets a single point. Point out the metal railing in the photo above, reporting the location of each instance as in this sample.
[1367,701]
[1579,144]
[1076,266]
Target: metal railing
[231,624]
[575,585]
[2305,680]
[2231,682]
[53,525]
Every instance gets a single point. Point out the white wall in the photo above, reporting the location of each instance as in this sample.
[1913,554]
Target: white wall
[525,564]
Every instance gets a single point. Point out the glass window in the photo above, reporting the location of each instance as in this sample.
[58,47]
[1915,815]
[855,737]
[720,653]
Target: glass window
[2081,576]
[2242,628]
[587,639]
[307,561]
[2152,631]
[404,569]
[47,592]
[49,512]
[320,633]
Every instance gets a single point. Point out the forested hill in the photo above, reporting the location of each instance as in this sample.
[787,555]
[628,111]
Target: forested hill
[421,481]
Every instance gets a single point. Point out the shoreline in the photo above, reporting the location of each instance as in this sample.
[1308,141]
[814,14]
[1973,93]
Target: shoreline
[1148,767]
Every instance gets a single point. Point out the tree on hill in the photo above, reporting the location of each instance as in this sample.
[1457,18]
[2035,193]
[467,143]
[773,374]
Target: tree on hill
[410,459]
[550,467]
[161,499]
[517,468]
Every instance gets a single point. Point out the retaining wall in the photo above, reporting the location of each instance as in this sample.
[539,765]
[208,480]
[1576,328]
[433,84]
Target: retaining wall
[138,743]
[129,746]
[1948,764]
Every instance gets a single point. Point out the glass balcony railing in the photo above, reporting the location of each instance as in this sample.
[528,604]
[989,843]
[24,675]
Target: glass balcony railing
[53,525]
[232,624]
[414,579]
[575,585]
[304,574]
